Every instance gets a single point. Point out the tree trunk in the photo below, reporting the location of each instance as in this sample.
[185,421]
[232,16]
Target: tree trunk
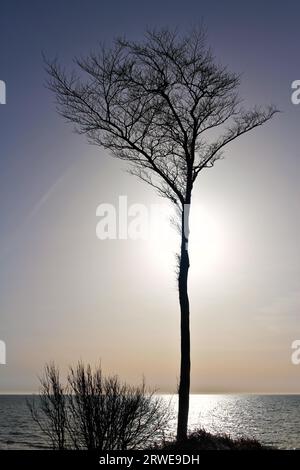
[185,365]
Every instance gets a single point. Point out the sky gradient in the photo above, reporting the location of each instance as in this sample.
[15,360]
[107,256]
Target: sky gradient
[65,295]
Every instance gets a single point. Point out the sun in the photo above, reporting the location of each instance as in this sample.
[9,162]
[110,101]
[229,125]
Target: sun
[209,244]
[209,241]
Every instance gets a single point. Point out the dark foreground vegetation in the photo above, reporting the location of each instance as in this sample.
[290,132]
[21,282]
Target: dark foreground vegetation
[93,412]
[203,440]
[90,411]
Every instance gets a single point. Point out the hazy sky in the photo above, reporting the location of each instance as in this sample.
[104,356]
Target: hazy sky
[65,295]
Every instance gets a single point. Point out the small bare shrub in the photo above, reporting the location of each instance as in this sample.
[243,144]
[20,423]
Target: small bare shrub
[96,412]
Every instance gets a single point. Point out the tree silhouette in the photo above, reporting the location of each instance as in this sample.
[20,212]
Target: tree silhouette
[164,105]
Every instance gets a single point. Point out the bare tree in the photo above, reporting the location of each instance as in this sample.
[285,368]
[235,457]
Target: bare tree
[94,412]
[106,414]
[165,106]
[49,409]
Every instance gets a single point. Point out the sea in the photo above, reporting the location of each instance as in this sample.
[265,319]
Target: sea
[272,419]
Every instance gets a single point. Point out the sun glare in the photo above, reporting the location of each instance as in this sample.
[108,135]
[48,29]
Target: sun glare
[209,243]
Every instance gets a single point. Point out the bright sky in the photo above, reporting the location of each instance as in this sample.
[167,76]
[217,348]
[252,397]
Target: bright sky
[66,295]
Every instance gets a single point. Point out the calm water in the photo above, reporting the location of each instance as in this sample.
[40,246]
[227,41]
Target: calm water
[274,420]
